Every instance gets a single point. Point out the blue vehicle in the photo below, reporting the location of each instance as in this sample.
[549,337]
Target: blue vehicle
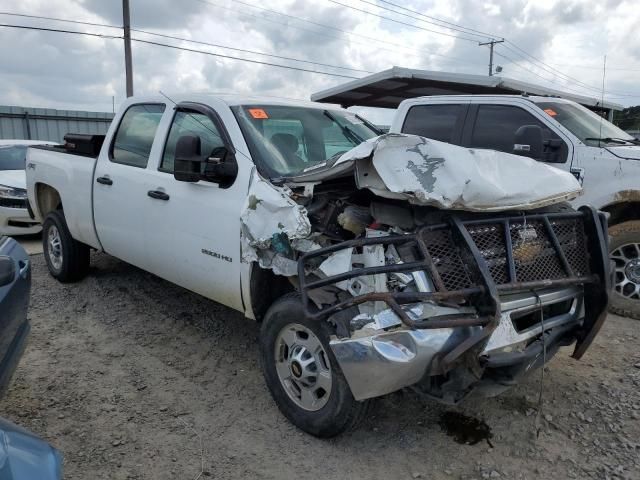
[23,456]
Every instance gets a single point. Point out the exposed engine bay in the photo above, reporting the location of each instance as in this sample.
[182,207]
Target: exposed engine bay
[423,263]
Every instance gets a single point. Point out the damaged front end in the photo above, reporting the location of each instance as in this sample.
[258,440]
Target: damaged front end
[426,288]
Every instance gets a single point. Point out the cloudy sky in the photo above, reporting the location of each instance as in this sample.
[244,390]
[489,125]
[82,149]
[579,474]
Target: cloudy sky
[571,38]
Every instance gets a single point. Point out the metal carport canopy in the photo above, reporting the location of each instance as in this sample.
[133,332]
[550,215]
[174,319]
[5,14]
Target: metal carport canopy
[390,87]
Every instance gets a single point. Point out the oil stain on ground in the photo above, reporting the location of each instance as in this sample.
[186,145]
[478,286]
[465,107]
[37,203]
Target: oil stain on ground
[464,429]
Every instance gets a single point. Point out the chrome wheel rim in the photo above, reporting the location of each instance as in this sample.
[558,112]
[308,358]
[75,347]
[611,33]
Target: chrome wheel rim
[303,367]
[54,247]
[627,270]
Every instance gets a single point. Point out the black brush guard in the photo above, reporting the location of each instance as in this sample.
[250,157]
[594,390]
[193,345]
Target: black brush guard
[475,261]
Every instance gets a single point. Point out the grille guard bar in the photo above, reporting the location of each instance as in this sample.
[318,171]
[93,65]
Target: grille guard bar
[483,292]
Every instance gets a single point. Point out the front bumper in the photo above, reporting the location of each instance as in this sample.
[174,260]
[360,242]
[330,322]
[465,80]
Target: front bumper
[16,221]
[384,361]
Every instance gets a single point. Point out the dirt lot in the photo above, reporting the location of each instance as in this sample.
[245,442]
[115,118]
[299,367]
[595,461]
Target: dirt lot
[132,377]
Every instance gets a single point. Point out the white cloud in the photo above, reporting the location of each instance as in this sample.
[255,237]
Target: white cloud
[70,71]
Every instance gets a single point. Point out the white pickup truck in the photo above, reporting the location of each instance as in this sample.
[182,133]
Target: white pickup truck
[373,262]
[561,133]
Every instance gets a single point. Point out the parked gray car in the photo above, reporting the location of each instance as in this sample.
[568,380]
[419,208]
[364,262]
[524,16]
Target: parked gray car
[23,456]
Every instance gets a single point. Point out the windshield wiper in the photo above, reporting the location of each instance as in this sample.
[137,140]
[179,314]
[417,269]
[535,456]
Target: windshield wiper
[371,126]
[621,141]
[353,136]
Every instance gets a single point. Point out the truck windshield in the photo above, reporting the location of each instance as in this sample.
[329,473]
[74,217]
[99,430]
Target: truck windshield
[287,141]
[589,127]
[12,158]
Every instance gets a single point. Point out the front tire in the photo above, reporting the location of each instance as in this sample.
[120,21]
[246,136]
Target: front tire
[67,259]
[625,252]
[302,373]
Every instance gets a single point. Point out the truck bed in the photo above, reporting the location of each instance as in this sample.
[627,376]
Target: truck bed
[69,174]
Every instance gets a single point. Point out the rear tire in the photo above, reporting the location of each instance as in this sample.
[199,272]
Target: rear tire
[67,259]
[287,335]
[625,252]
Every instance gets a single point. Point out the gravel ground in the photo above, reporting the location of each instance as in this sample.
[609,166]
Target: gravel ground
[132,377]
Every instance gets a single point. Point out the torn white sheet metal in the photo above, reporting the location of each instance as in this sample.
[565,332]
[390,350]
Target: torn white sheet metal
[387,318]
[337,263]
[428,172]
[304,245]
[269,210]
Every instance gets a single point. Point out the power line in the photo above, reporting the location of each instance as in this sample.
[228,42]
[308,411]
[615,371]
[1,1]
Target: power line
[564,87]
[289,67]
[546,67]
[328,27]
[58,30]
[297,27]
[38,17]
[199,42]
[403,23]
[456,27]
[175,47]
[78,22]
[452,26]
[556,73]
[478,32]
[517,65]
[591,67]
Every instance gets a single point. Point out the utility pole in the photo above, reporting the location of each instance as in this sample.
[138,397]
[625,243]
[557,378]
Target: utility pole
[491,43]
[128,67]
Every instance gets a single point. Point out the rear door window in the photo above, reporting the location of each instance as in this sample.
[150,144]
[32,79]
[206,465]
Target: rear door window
[439,122]
[134,138]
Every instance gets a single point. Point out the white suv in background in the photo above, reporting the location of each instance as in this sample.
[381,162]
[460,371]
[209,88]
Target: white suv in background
[14,214]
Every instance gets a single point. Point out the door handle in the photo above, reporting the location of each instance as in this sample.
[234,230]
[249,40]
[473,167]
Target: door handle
[158,195]
[24,268]
[104,180]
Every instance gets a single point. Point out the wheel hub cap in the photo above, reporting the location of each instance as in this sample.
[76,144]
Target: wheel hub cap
[54,247]
[296,369]
[632,271]
[627,270]
[303,367]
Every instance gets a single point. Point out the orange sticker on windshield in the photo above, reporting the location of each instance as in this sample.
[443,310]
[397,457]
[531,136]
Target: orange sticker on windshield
[258,113]
[550,111]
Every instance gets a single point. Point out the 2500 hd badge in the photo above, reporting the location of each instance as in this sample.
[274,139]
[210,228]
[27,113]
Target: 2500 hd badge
[216,255]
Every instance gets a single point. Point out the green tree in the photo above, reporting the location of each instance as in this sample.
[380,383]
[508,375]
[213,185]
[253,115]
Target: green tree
[628,118]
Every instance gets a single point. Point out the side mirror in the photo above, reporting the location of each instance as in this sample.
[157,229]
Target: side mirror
[186,166]
[7,270]
[221,167]
[528,141]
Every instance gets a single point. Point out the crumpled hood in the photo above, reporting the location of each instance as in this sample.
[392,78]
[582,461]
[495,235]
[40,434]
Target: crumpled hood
[13,178]
[428,172]
[630,152]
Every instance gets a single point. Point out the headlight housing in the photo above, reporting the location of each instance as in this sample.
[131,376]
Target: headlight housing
[13,197]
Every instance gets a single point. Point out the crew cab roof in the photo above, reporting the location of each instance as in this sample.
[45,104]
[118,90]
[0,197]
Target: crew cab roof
[229,99]
[390,87]
[464,98]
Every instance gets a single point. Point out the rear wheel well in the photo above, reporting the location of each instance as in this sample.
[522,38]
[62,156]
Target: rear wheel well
[48,199]
[622,212]
[266,287]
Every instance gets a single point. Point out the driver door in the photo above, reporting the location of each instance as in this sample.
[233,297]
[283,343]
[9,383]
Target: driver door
[193,228]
